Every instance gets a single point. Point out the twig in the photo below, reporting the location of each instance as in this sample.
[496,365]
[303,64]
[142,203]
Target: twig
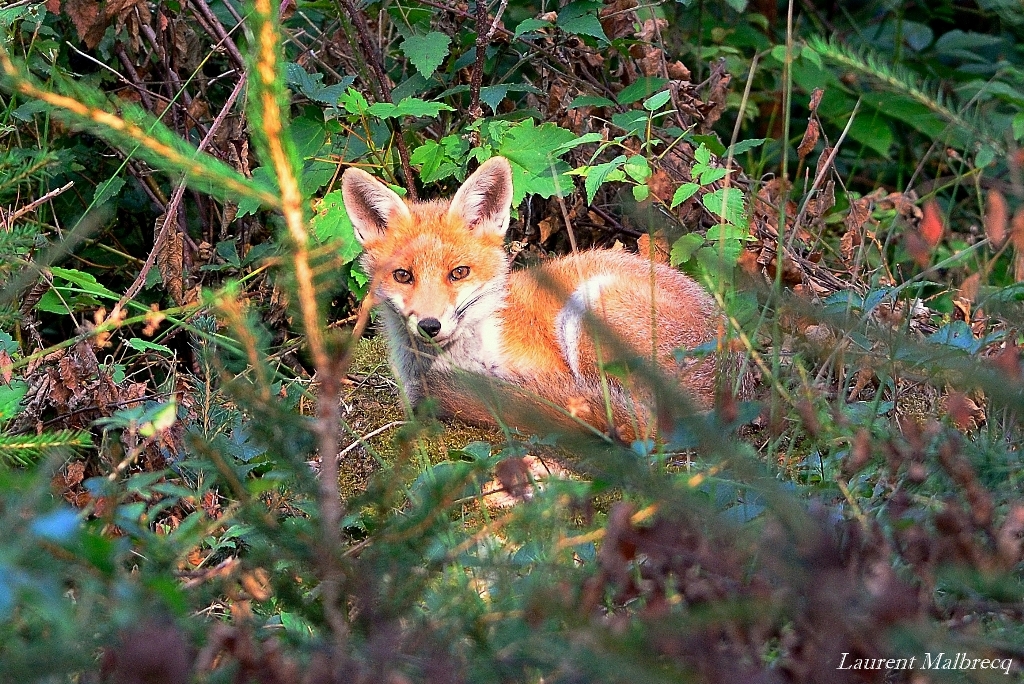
[370,435]
[484,36]
[203,9]
[824,172]
[172,205]
[15,215]
[377,67]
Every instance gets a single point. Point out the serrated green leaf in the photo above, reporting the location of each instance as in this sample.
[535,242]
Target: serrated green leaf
[534,151]
[746,145]
[597,175]
[637,168]
[353,102]
[426,52]
[10,398]
[728,204]
[710,175]
[702,154]
[331,224]
[530,25]
[657,101]
[580,18]
[684,247]
[410,106]
[683,193]
[493,95]
[107,190]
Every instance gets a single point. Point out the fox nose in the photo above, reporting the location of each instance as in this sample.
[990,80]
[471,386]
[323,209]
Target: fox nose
[430,327]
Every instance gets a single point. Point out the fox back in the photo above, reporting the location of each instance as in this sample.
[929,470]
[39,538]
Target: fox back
[454,313]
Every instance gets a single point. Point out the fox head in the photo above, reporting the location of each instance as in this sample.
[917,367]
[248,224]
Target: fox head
[432,261]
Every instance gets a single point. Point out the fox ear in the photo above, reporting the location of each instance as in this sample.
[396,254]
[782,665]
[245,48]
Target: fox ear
[370,204]
[485,199]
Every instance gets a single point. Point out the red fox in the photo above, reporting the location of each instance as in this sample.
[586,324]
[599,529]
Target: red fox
[453,310]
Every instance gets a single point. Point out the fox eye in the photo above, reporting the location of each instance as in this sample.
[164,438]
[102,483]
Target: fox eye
[458,273]
[402,276]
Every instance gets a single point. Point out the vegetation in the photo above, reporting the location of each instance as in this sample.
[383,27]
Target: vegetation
[181,310]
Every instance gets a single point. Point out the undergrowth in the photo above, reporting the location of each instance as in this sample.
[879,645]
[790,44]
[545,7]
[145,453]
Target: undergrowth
[180,354]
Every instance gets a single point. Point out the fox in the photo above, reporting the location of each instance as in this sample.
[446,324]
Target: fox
[454,311]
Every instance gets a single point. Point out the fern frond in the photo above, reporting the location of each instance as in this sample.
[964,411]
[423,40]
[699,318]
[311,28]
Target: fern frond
[24,449]
[900,80]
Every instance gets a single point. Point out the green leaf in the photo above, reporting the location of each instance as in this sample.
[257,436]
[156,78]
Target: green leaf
[710,175]
[85,281]
[683,193]
[10,398]
[641,192]
[745,146]
[580,18]
[633,122]
[597,175]
[331,224]
[427,52]
[410,106]
[702,154]
[534,151]
[107,190]
[139,344]
[590,101]
[640,89]
[684,247]
[1018,126]
[728,204]
[584,139]
[530,25]
[353,102]
[493,95]
[657,101]
[637,168]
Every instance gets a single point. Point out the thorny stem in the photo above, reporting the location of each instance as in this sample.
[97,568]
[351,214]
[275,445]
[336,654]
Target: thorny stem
[373,58]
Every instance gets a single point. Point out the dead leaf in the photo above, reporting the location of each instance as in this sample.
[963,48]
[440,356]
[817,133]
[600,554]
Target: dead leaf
[547,227]
[6,366]
[969,288]
[658,252]
[932,226]
[815,99]
[996,218]
[810,139]
[1017,229]
[170,261]
[963,411]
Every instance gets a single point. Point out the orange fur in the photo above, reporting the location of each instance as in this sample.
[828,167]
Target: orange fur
[537,336]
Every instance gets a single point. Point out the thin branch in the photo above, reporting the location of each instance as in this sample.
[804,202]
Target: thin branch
[172,205]
[373,59]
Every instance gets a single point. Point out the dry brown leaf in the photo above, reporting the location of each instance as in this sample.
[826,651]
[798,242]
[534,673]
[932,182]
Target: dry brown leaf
[547,227]
[810,139]
[89,20]
[815,99]
[964,411]
[996,218]
[6,366]
[170,261]
[932,226]
[1017,229]
[658,251]
[969,288]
